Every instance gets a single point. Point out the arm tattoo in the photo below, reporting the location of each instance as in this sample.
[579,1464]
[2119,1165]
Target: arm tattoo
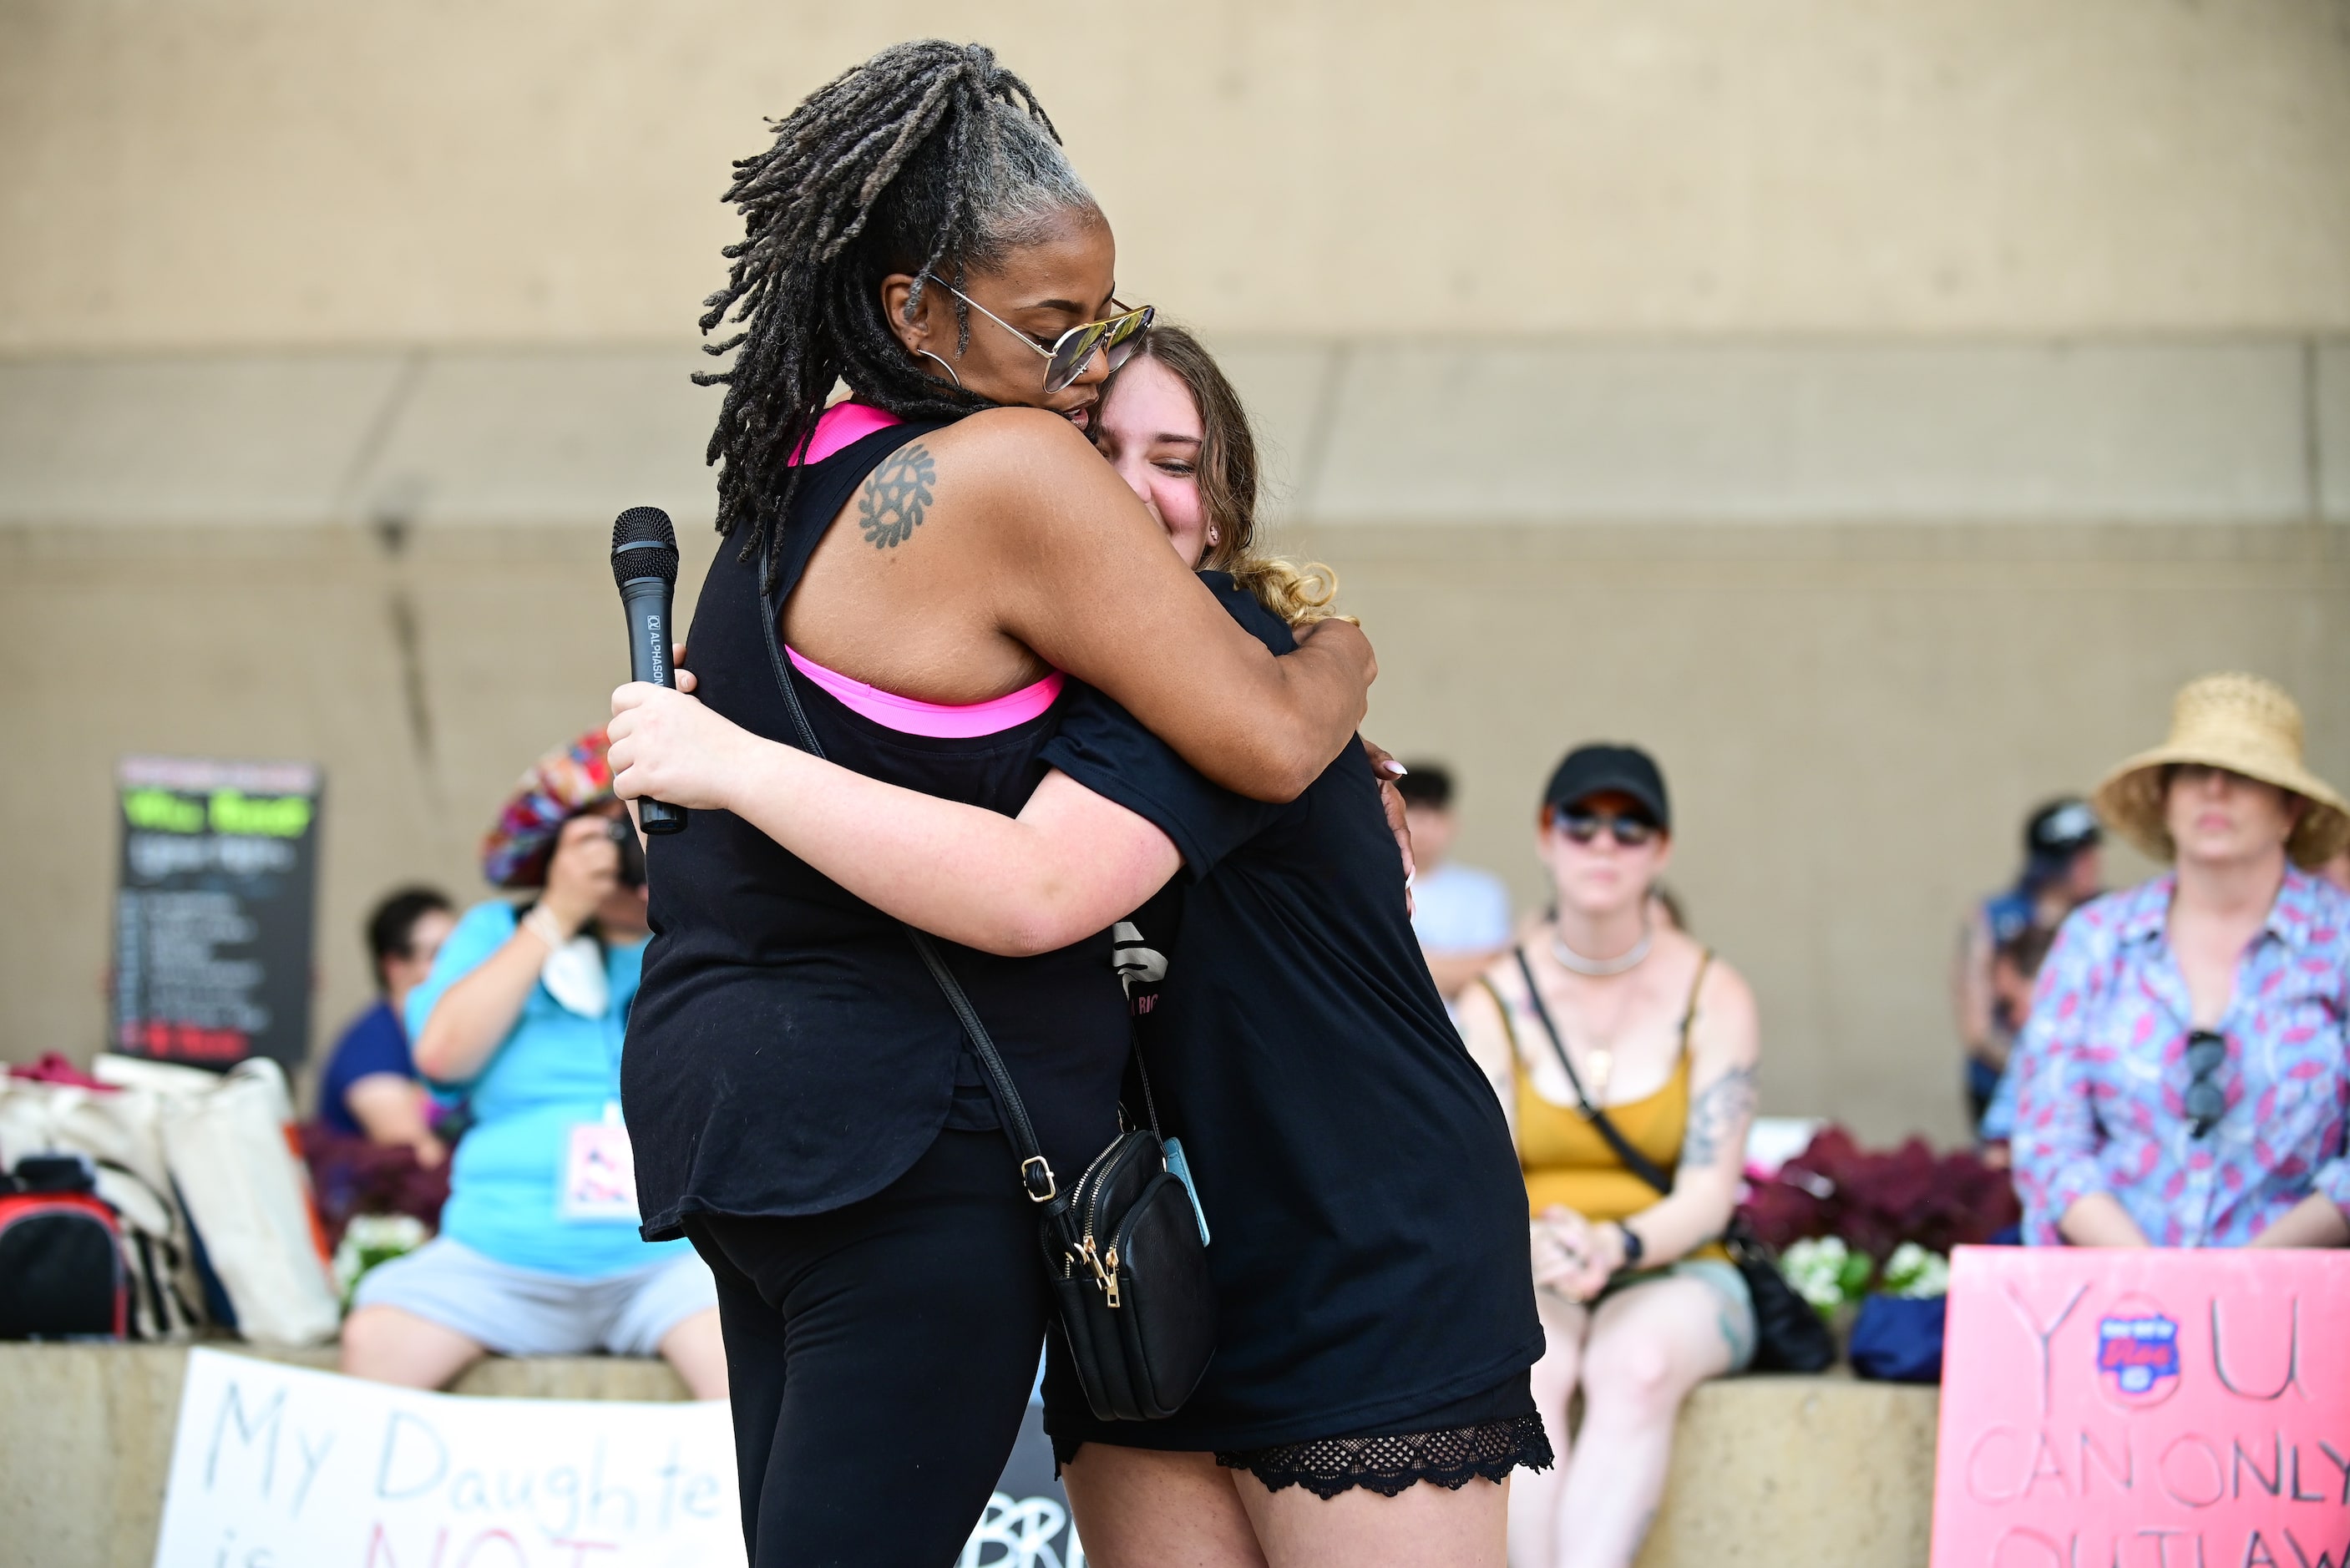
[1717,1118]
[894,500]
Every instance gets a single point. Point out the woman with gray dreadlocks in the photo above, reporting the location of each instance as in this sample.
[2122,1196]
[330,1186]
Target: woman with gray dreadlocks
[800,1101]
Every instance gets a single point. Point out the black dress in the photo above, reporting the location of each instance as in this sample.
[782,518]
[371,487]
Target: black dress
[1365,1212]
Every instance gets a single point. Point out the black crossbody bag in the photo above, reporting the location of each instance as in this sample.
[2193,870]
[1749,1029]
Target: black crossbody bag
[1788,1334]
[1122,1250]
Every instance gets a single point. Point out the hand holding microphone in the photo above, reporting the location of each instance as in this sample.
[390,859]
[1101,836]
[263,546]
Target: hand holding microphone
[644,565]
[666,743]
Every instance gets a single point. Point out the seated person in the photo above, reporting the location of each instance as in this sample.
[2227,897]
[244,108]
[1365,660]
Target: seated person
[523,1016]
[1600,1006]
[1460,915]
[2014,972]
[2064,868]
[2182,1076]
[370,1088]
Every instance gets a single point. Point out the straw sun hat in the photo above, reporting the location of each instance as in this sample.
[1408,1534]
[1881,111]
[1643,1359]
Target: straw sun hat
[2246,725]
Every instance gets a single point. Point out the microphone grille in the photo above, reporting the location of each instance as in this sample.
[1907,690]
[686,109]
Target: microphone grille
[644,545]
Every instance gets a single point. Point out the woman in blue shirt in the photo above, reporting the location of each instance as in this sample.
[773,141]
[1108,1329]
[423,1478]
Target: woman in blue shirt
[522,1018]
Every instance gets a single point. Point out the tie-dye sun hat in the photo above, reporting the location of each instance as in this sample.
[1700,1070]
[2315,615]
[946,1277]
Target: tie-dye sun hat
[557,787]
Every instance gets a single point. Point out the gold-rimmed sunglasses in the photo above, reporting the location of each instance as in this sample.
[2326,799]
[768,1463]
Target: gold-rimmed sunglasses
[1116,337]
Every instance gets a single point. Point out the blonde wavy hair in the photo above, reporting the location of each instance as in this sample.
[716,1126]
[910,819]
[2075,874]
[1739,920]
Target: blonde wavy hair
[1300,594]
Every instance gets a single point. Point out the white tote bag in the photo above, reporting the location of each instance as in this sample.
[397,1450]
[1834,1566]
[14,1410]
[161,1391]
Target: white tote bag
[248,1196]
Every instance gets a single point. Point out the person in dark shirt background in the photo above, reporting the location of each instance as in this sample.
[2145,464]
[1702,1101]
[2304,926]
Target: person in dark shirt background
[370,1088]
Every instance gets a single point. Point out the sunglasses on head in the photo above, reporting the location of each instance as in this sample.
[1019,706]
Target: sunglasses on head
[2207,1053]
[1584,826]
[1117,336]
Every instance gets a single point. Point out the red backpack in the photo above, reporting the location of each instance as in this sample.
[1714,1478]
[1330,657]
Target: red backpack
[61,1269]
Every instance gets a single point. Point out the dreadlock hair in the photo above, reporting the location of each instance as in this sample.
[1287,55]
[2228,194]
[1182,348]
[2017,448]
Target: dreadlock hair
[1228,475]
[930,160]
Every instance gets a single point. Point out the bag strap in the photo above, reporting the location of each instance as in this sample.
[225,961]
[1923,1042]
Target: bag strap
[1035,1171]
[1638,1164]
[1509,1027]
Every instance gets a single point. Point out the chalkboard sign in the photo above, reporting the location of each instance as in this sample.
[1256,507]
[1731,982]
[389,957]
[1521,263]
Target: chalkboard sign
[213,909]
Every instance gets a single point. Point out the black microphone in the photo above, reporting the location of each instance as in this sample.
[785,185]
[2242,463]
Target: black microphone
[644,563]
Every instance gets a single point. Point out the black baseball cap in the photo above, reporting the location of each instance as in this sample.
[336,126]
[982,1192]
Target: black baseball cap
[2056,833]
[1598,770]
[2061,827]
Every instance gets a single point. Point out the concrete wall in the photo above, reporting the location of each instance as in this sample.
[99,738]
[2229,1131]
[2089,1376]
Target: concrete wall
[1875,409]
[1857,671]
[1846,1480]
[266,171]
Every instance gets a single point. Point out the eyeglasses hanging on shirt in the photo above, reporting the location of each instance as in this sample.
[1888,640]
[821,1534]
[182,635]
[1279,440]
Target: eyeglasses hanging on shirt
[2207,1053]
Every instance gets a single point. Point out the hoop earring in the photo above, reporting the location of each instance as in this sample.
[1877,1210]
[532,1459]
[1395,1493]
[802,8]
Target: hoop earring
[942,365]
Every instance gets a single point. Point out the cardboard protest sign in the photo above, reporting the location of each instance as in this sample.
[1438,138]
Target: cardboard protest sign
[280,1466]
[1027,1522]
[213,910]
[2144,1410]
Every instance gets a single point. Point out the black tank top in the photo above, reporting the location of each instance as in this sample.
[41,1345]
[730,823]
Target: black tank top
[788,1053]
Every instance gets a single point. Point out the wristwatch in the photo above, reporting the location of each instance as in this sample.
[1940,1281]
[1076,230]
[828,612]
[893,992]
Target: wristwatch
[1634,1247]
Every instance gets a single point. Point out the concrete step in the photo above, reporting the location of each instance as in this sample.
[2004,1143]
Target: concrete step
[1770,1471]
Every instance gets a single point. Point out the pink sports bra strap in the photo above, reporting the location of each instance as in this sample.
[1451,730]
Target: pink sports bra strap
[842,423]
[910,716]
[837,427]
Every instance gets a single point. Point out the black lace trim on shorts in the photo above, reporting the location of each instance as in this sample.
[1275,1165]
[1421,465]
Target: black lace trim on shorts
[1450,1456]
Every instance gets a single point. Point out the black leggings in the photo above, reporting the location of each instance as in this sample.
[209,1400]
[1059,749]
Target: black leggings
[880,1358]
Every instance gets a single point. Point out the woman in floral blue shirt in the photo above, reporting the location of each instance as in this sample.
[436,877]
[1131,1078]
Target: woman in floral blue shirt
[2184,1079]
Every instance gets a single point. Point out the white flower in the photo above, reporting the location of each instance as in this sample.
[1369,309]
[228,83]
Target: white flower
[372,1238]
[1917,1274]
[1816,1267]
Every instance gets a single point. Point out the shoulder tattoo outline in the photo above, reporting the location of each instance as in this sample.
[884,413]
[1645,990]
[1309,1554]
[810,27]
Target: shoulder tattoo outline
[895,498]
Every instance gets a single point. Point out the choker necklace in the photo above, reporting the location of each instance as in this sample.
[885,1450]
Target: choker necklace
[1600,969]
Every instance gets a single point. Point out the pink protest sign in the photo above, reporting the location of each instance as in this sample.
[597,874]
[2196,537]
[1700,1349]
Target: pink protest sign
[2144,1410]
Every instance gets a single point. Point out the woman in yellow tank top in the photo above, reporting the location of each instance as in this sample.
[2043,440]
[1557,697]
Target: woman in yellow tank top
[1606,1006]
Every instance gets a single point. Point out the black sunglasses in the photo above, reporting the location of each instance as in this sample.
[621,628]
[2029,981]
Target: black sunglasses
[1584,826]
[2207,1053]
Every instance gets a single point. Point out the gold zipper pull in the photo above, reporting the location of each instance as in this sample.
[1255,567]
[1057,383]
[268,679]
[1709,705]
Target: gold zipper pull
[1104,1279]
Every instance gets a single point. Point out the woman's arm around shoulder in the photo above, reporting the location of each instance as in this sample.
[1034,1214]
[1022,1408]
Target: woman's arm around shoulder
[1084,578]
[1070,863]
